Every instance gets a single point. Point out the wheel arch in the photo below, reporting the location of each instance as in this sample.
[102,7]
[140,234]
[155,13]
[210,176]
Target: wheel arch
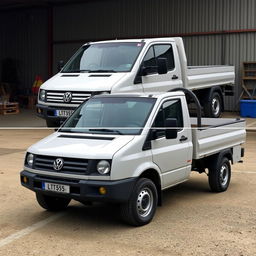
[224,153]
[217,89]
[154,176]
[219,175]
[204,95]
[228,154]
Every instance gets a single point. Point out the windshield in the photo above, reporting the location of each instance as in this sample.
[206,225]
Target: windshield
[110,115]
[104,57]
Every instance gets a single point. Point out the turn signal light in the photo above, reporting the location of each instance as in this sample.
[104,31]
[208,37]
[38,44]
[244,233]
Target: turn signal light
[24,179]
[102,190]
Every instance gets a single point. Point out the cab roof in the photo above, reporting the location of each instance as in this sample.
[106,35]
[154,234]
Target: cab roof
[145,40]
[147,95]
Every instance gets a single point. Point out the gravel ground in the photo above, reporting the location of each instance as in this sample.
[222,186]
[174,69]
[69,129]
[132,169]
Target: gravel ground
[192,220]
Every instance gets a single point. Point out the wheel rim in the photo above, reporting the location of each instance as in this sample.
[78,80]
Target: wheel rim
[145,202]
[216,106]
[224,175]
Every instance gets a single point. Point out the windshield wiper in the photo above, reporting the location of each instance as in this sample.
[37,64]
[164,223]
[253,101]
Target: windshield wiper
[106,130]
[102,71]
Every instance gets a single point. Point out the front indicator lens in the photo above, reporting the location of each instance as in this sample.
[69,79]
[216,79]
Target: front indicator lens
[24,179]
[102,191]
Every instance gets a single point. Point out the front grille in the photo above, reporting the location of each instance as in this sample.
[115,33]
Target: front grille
[58,97]
[70,165]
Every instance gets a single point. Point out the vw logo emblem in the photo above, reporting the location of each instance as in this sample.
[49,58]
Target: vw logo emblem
[58,164]
[67,97]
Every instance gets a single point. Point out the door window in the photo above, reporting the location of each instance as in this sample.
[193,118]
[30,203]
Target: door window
[165,51]
[169,109]
[155,52]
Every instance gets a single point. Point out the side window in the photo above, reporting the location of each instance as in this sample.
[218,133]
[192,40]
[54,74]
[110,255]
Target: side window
[165,51]
[169,109]
[173,109]
[150,61]
[158,51]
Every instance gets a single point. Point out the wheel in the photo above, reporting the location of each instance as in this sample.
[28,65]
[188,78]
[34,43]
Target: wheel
[219,175]
[52,203]
[141,207]
[51,123]
[214,107]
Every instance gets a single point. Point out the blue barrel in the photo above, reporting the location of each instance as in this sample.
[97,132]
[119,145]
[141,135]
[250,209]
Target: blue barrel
[248,108]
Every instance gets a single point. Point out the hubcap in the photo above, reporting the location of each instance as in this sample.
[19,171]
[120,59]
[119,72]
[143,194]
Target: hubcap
[215,106]
[224,175]
[145,202]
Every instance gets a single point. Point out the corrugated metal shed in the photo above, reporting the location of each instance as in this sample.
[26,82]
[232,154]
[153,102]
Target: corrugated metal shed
[149,18]
[119,18]
[23,40]
[213,30]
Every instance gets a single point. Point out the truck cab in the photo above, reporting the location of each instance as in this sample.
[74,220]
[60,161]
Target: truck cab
[141,65]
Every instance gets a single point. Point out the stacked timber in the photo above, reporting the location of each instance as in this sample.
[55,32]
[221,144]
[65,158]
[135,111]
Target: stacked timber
[9,108]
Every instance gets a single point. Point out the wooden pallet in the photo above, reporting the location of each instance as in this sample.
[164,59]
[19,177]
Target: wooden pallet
[248,81]
[9,108]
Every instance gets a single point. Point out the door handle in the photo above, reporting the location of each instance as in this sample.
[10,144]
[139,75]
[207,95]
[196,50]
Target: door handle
[174,77]
[183,138]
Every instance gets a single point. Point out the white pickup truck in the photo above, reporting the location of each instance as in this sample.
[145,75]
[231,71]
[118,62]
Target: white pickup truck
[127,149]
[146,65]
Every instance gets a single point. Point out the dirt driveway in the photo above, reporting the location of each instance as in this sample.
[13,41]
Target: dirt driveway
[192,220]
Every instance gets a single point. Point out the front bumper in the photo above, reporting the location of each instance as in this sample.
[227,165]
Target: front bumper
[48,112]
[82,190]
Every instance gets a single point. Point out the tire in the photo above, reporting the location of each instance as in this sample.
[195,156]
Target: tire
[214,106]
[51,123]
[141,207]
[219,175]
[52,203]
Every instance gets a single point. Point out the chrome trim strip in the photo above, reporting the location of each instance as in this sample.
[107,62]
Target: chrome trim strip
[65,175]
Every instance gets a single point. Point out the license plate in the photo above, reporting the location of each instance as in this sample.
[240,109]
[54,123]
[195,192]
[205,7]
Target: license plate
[55,187]
[64,113]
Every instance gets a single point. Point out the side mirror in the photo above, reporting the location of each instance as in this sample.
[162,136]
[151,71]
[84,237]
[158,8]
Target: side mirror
[143,70]
[162,66]
[171,131]
[155,134]
[60,65]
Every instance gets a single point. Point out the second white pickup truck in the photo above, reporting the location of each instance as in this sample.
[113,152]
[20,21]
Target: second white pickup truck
[141,65]
[127,149]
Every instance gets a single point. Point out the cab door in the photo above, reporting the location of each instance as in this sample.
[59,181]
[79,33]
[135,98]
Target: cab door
[154,82]
[173,156]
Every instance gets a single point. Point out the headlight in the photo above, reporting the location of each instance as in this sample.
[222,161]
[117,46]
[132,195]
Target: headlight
[42,95]
[103,167]
[30,160]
